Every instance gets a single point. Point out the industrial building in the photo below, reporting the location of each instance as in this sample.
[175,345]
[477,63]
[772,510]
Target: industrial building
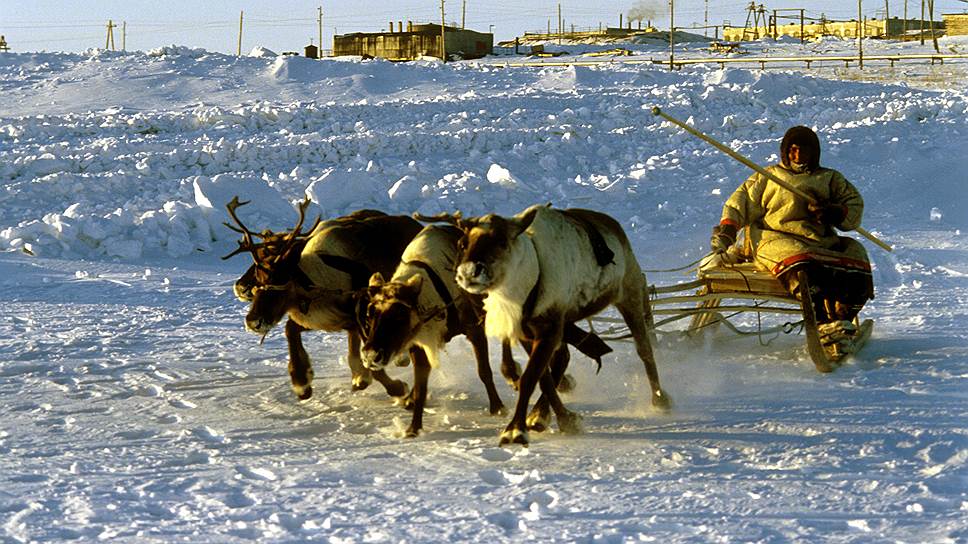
[955,24]
[421,40]
[873,28]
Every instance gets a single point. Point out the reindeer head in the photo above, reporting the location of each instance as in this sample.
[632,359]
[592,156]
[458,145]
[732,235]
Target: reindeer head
[485,248]
[269,283]
[392,319]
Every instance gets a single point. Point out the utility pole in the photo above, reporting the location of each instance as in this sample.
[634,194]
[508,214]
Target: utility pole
[905,19]
[124,35]
[672,34]
[921,30]
[934,37]
[109,40]
[239,51]
[860,35]
[463,14]
[443,45]
[559,23]
[801,26]
[319,53]
[705,30]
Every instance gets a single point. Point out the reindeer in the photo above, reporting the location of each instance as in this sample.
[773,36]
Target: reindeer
[419,310]
[542,269]
[313,277]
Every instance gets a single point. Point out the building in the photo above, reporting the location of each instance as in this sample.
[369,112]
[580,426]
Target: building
[873,28]
[416,41]
[955,24]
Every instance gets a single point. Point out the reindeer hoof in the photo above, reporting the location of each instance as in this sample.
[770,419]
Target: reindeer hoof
[514,436]
[411,432]
[661,401]
[538,421]
[360,383]
[498,410]
[570,423]
[410,401]
[567,384]
[405,398]
[302,392]
[396,388]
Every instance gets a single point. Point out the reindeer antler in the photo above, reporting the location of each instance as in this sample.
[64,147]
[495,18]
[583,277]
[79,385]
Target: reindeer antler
[453,218]
[295,234]
[246,243]
[276,244]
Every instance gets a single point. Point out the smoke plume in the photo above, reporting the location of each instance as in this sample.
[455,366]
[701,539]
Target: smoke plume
[645,10]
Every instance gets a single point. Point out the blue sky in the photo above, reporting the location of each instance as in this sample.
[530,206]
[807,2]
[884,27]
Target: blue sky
[288,25]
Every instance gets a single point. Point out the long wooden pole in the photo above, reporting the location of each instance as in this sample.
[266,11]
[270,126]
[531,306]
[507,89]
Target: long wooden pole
[672,34]
[766,173]
[239,51]
[860,35]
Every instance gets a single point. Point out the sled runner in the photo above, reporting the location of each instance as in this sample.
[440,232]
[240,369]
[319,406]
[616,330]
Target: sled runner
[726,291]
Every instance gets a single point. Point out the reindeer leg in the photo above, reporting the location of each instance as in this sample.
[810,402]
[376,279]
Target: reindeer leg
[478,342]
[631,310]
[540,417]
[541,353]
[300,368]
[568,422]
[362,378]
[421,375]
[510,368]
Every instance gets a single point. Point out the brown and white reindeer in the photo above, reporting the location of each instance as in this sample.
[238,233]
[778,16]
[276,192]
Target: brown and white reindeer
[542,269]
[313,277]
[419,310]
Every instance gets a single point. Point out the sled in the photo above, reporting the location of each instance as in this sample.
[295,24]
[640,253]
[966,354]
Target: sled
[725,291]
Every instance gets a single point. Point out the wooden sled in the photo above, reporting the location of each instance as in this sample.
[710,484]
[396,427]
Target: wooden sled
[728,290]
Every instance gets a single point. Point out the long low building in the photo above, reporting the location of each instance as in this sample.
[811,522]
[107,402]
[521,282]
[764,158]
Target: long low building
[955,24]
[422,40]
[873,28]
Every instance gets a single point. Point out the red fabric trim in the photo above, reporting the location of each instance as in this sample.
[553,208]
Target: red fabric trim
[845,263]
[730,222]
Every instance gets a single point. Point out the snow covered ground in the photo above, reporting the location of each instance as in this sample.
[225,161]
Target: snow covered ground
[135,408]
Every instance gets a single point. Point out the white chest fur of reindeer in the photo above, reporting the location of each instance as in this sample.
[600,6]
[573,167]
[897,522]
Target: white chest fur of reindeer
[504,304]
[411,288]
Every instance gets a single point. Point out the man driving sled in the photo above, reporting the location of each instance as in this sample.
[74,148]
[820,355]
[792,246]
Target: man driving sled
[785,234]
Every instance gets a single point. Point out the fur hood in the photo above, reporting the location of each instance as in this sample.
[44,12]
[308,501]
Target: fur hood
[807,140]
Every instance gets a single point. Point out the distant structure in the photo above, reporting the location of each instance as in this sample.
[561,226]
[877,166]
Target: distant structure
[620,33]
[311,52]
[3,44]
[873,28]
[955,24]
[416,41]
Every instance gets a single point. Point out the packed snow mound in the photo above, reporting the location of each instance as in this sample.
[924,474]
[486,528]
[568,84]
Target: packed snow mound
[261,52]
[177,51]
[122,183]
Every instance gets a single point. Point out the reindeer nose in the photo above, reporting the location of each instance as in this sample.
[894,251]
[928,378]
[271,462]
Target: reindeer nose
[473,277]
[471,271]
[255,325]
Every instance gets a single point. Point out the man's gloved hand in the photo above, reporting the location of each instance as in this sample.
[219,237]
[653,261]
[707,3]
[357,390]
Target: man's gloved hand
[724,236]
[827,213]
